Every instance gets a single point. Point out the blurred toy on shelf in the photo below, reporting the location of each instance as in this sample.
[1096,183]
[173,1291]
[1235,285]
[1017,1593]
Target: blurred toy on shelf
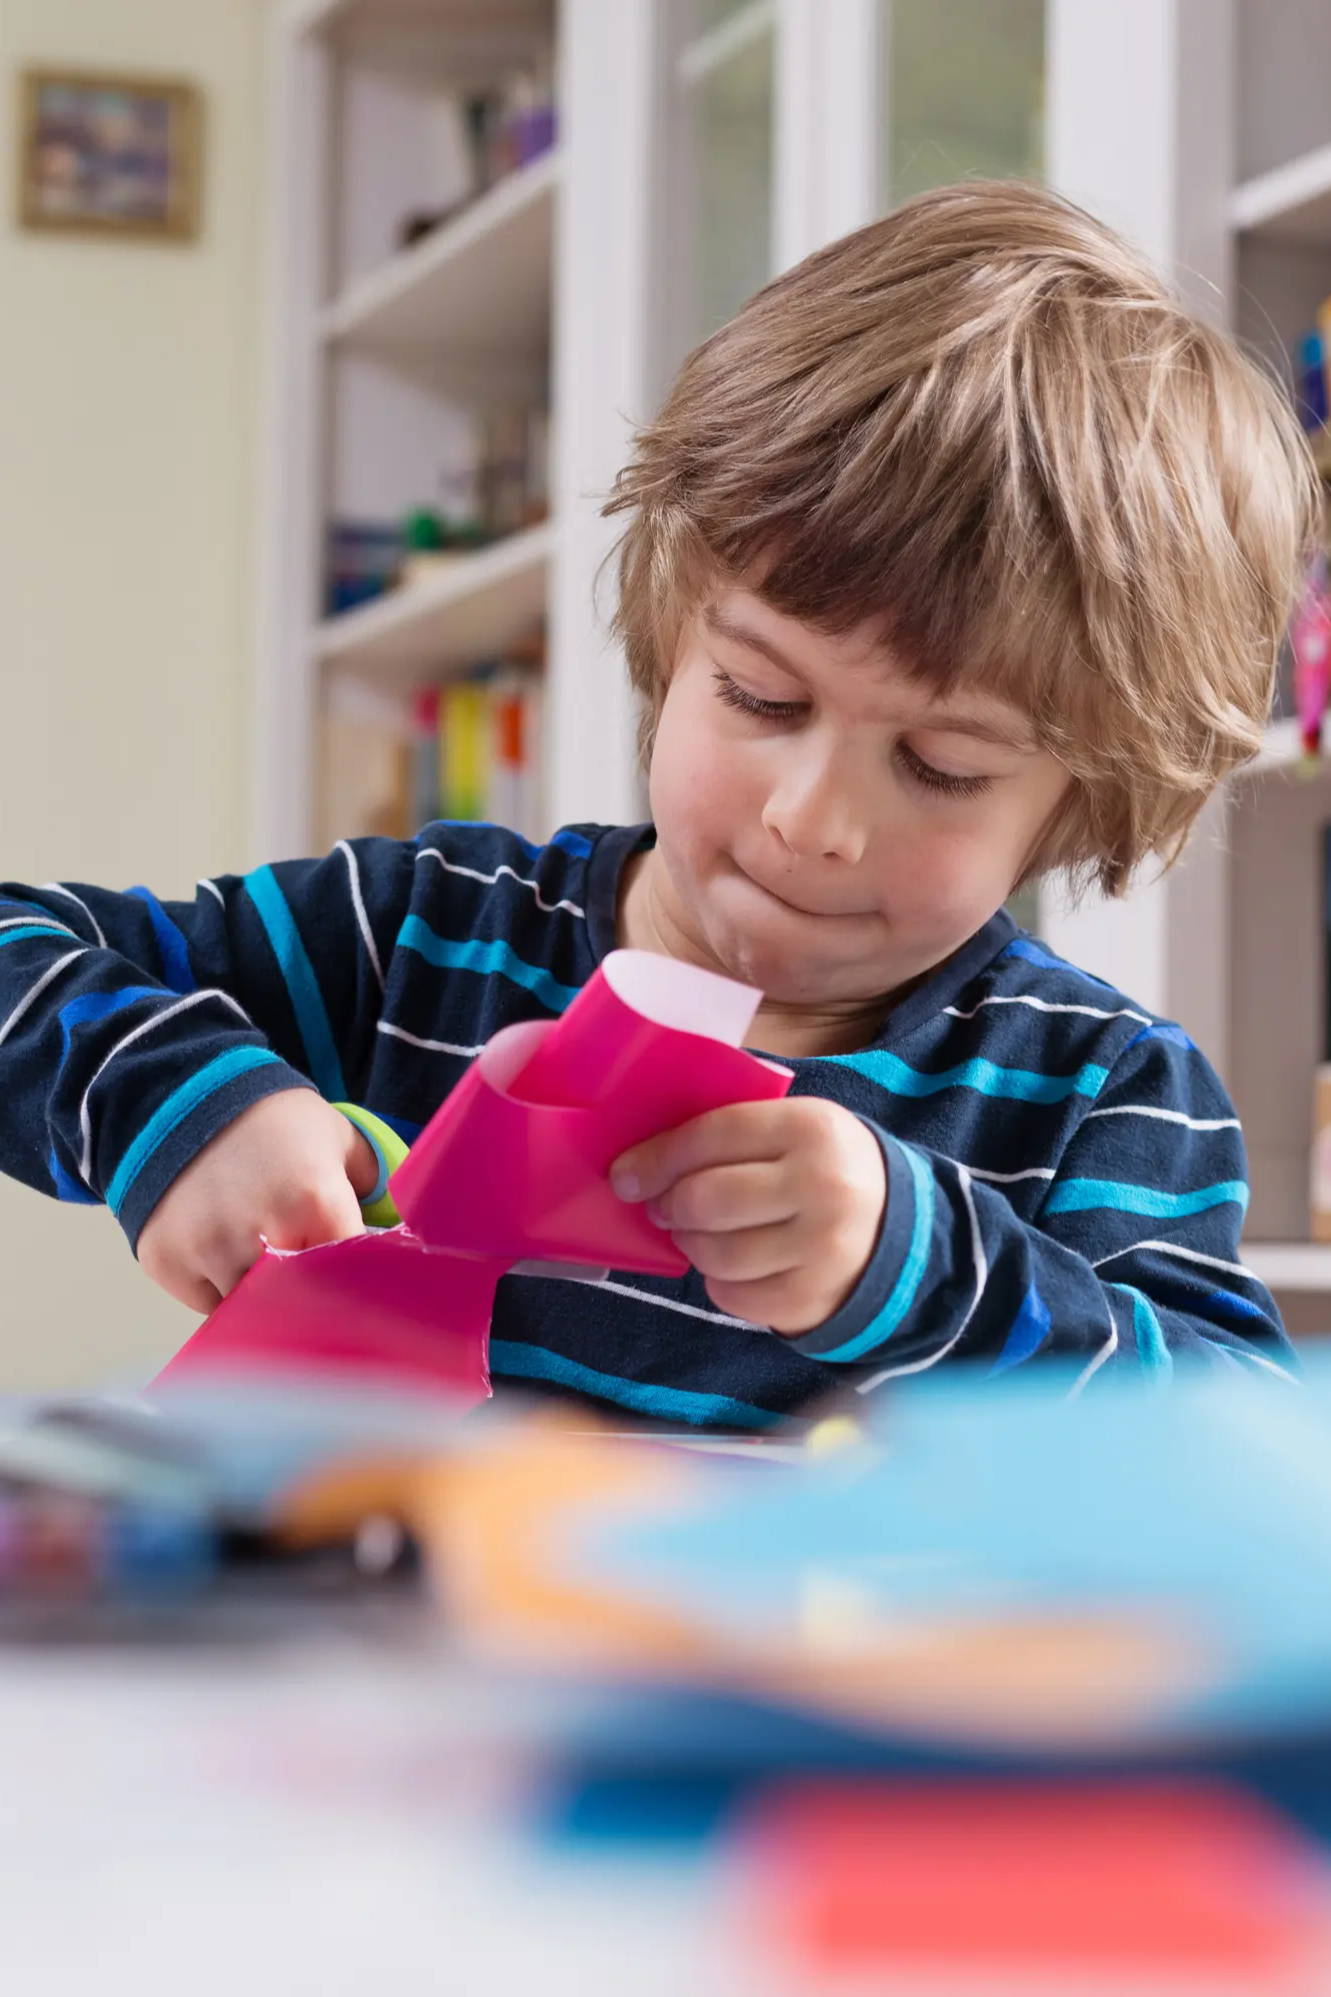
[510,127]
[1310,648]
[363,561]
[504,129]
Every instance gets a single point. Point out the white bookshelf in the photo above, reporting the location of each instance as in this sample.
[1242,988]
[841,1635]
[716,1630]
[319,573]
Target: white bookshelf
[381,357]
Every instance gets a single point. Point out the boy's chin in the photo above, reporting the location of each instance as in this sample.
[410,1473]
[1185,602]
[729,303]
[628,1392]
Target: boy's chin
[783,981]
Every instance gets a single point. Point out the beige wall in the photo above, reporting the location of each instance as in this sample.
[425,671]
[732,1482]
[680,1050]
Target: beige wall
[127,479]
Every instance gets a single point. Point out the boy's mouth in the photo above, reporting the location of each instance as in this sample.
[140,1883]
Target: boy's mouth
[799,908]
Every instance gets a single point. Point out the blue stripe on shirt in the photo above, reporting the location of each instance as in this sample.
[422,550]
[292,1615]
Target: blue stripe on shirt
[536,1362]
[1026,1334]
[1080,1195]
[34,929]
[1027,948]
[177,971]
[485,958]
[100,1005]
[73,1191]
[565,840]
[1152,1350]
[881,1327]
[890,1072]
[307,1002]
[169,1115]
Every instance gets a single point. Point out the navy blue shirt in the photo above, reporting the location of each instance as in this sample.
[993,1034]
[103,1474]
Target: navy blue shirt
[1065,1172]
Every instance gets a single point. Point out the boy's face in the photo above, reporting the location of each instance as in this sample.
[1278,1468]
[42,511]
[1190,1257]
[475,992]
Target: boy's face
[827,829]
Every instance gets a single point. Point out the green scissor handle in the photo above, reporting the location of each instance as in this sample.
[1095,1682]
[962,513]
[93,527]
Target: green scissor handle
[377,1209]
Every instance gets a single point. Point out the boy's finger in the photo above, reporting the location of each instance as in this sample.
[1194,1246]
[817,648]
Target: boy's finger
[314,1214]
[195,1292]
[726,1197]
[731,1136]
[778,1302]
[749,1256]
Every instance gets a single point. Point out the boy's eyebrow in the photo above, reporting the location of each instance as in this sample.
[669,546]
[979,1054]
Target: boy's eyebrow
[741,634]
[1015,737]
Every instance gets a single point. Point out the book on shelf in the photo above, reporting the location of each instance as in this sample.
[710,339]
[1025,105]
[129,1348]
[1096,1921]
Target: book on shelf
[474,749]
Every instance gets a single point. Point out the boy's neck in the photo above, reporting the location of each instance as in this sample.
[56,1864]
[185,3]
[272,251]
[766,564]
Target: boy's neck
[643,922]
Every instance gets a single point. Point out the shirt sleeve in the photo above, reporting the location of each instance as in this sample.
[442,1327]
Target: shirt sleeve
[1131,1258]
[132,1030]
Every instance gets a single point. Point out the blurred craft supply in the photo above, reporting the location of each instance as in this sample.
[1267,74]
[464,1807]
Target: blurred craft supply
[1114,1888]
[1018,1570]
[123,1517]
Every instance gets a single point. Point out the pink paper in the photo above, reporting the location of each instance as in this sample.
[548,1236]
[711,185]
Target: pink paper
[511,1168]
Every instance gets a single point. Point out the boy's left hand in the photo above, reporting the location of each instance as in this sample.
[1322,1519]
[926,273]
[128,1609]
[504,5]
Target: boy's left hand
[777,1204]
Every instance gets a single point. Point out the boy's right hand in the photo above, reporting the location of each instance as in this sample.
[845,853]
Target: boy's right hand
[290,1170]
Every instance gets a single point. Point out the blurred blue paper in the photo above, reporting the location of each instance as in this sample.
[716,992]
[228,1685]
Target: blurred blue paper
[1205,1508]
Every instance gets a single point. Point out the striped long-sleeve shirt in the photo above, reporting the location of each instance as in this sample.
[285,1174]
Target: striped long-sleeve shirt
[1065,1172]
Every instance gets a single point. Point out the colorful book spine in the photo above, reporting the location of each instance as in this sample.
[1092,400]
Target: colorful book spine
[464,729]
[426,788]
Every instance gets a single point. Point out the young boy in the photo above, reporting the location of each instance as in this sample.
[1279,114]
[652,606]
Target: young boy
[960,555]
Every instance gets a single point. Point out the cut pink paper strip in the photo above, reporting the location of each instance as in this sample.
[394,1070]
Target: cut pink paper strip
[511,1168]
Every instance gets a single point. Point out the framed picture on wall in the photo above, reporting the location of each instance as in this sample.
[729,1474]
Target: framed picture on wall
[109,155]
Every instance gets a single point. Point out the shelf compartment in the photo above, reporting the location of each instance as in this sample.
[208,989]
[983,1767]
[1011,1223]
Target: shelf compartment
[474,609]
[1290,204]
[478,286]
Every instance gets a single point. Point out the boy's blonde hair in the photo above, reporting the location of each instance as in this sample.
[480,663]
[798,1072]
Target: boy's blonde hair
[985,423]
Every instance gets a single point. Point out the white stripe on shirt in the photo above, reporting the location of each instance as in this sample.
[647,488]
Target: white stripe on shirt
[429,1046]
[1107,1351]
[673,1304]
[54,887]
[1185,1254]
[358,903]
[1165,1116]
[488,880]
[137,1033]
[53,971]
[1044,1005]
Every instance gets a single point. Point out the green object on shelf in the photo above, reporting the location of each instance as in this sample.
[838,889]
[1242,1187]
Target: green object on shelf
[423,530]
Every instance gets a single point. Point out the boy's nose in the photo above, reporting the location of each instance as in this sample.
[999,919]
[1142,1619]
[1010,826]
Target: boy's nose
[816,821]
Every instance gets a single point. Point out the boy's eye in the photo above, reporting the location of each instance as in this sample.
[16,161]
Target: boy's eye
[939,780]
[745,702]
